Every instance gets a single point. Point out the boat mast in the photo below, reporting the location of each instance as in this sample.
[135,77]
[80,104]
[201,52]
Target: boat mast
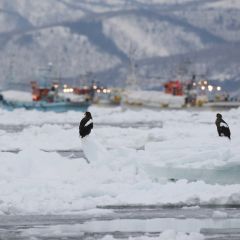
[45,74]
[10,75]
[131,81]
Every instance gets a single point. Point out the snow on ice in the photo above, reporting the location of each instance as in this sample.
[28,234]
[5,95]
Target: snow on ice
[128,165]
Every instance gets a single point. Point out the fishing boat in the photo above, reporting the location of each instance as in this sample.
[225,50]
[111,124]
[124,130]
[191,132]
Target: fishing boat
[43,99]
[60,106]
[99,95]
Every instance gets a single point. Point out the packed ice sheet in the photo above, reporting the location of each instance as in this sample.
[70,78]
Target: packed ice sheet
[126,165]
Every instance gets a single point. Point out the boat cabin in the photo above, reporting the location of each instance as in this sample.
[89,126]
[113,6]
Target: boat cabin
[174,88]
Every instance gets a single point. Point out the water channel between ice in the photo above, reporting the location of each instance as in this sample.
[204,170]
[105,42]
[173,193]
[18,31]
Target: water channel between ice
[146,225]
[222,223]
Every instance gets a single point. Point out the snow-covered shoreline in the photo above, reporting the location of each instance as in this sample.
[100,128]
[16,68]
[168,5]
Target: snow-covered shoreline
[34,181]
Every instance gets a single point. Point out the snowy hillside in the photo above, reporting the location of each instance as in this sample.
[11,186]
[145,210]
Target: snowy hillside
[98,37]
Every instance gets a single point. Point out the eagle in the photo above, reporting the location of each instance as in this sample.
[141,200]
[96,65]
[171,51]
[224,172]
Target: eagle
[222,127]
[86,125]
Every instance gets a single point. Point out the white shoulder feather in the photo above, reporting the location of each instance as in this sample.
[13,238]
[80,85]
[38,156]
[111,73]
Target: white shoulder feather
[88,122]
[223,125]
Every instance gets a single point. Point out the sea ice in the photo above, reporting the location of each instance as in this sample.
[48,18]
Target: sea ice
[128,165]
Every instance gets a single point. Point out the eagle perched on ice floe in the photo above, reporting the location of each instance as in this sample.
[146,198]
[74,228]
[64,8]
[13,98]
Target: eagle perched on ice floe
[86,125]
[222,127]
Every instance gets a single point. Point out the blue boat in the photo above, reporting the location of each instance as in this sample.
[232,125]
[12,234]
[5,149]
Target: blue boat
[62,106]
[23,100]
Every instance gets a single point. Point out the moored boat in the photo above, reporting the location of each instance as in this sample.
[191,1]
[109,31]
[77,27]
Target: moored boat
[13,99]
